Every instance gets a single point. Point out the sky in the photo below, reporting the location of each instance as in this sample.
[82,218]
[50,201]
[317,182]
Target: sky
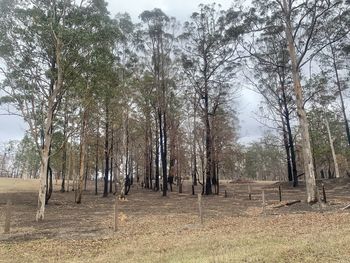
[13,128]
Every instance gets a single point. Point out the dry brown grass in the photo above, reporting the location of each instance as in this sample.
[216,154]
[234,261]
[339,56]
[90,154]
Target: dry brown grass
[157,229]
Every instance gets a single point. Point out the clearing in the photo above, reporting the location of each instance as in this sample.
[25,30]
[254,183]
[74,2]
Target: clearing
[153,228]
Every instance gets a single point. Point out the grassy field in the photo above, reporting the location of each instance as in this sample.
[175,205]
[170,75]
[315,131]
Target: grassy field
[166,229]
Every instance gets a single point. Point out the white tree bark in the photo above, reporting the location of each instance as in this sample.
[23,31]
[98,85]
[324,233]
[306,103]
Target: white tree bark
[331,143]
[310,179]
[52,104]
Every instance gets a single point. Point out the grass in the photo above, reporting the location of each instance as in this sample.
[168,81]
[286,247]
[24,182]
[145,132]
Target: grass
[173,234]
[314,238]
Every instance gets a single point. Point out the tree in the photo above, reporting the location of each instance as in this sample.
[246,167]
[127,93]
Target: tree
[40,49]
[209,59]
[159,43]
[271,71]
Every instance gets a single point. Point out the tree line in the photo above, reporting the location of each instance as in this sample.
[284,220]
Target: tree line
[154,101]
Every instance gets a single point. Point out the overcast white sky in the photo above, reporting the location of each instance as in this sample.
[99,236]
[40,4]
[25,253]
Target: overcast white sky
[13,128]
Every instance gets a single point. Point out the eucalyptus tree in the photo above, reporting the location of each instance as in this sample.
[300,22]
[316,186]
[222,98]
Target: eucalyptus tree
[100,78]
[210,45]
[33,49]
[272,79]
[41,50]
[332,58]
[302,22]
[325,117]
[158,43]
[264,159]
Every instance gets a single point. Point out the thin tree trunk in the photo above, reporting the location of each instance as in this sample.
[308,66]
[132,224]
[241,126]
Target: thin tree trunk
[331,143]
[70,171]
[82,154]
[172,156]
[97,157]
[111,172]
[347,129]
[157,159]
[147,164]
[124,169]
[64,149]
[194,142]
[208,148]
[105,189]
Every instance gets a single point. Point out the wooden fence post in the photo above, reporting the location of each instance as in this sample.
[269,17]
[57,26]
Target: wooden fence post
[324,193]
[263,201]
[8,217]
[200,208]
[249,192]
[280,192]
[115,228]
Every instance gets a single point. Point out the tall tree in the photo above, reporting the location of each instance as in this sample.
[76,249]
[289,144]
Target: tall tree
[210,44]
[159,43]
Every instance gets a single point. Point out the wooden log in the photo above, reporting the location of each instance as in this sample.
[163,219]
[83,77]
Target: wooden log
[200,212]
[293,202]
[287,203]
[7,226]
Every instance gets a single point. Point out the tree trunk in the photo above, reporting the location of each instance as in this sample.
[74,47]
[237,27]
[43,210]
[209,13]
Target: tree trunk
[97,157]
[194,142]
[64,149]
[310,180]
[331,143]
[287,149]
[111,172]
[55,90]
[124,168]
[157,172]
[82,154]
[172,154]
[163,149]
[70,171]
[105,189]
[148,149]
[208,148]
[347,130]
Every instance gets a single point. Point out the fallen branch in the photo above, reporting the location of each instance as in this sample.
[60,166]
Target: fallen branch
[346,207]
[286,203]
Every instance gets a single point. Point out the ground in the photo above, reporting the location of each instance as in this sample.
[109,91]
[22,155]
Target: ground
[153,228]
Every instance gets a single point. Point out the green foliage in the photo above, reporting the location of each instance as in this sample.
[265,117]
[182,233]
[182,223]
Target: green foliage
[265,160]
